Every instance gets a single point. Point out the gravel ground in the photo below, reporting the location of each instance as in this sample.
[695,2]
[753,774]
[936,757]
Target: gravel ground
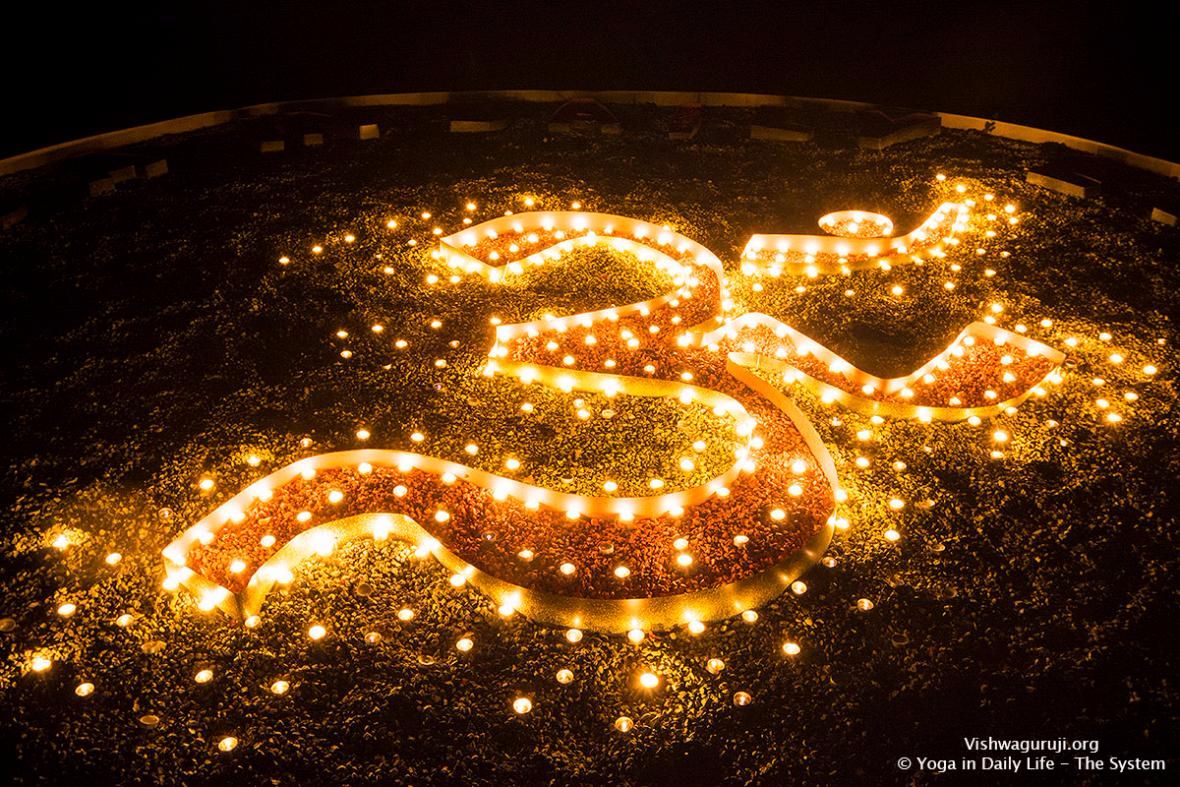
[154,339]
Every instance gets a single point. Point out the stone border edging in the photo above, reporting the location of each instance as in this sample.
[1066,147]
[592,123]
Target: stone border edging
[130,136]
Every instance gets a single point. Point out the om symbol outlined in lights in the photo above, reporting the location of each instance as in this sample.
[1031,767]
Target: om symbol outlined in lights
[616,563]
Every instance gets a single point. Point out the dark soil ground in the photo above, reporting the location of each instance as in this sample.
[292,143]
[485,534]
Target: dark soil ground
[153,338]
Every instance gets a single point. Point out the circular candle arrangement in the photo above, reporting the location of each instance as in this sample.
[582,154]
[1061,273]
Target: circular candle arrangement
[856,224]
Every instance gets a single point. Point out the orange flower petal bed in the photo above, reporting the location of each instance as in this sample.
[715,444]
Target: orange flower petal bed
[492,534]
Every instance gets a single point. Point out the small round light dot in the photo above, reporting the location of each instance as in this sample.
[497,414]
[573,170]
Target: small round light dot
[464,645]
[522,705]
[280,687]
[791,648]
[84,689]
[204,676]
[405,614]
[228,743]
[649,680]
[573,636]
[317,632]
[565,676]
[742,698]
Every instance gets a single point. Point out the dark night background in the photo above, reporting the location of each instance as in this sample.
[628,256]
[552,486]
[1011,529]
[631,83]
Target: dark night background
[1105,71]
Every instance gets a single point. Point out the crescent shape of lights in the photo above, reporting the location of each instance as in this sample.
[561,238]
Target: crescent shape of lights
[815,254]
[675,346]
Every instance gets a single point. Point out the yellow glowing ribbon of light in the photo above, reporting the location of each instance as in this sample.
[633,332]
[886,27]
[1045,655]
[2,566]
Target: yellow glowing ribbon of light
[835,254]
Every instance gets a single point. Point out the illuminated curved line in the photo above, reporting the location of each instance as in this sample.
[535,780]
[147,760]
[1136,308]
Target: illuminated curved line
[857,252]
[611,615]
[887,386]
